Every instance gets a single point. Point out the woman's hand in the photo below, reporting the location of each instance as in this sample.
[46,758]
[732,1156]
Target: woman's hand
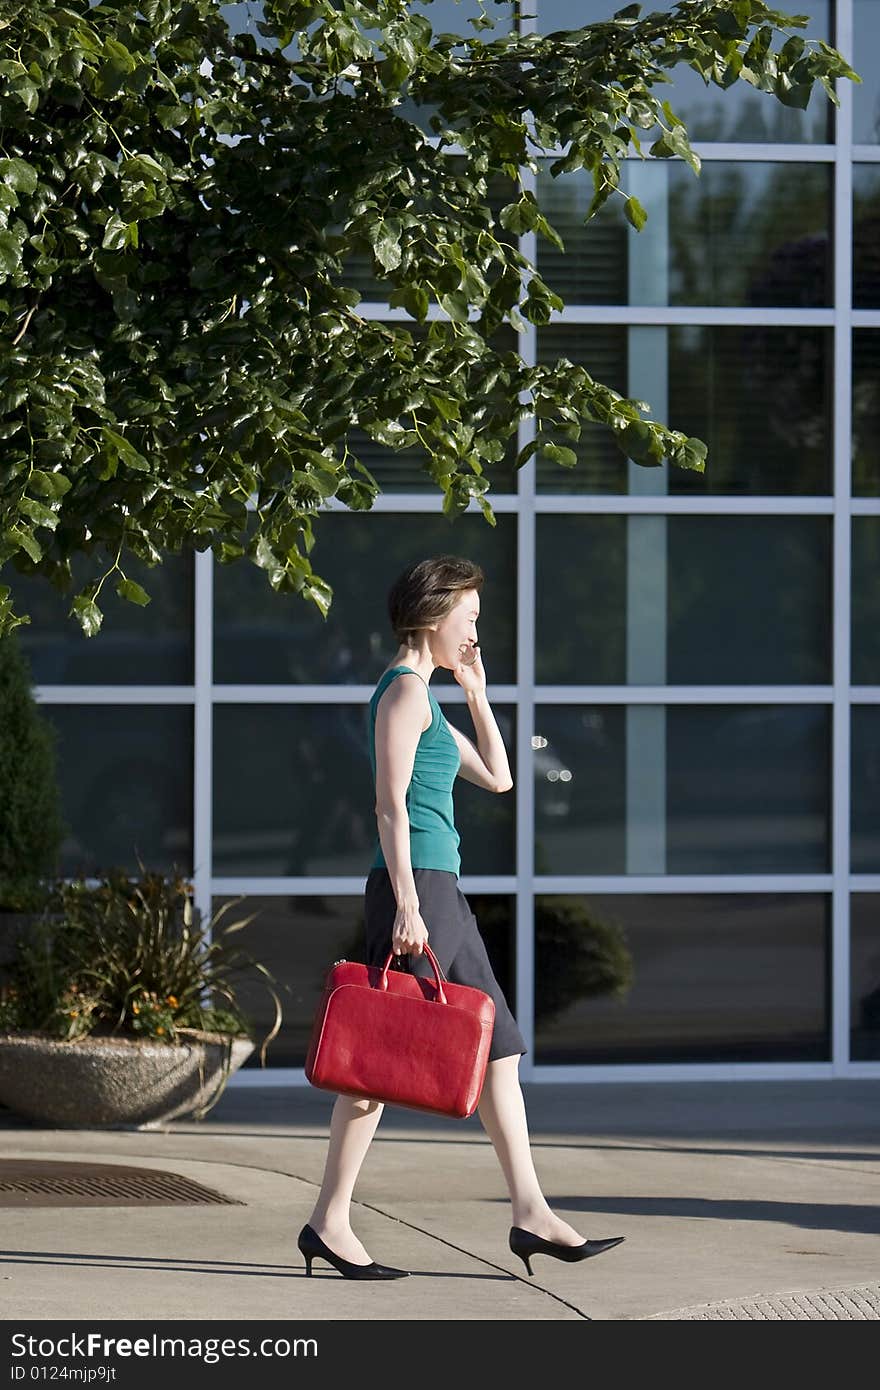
[409,933]
[469,671]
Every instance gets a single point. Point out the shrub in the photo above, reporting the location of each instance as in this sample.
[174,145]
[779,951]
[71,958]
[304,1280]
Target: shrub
[126,958]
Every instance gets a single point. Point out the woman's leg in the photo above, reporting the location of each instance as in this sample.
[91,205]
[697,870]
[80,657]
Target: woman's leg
[502,1113]
[352,1126]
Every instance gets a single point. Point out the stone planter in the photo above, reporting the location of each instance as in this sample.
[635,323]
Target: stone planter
[114,1083]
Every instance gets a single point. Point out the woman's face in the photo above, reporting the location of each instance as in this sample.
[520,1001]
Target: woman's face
[456,634]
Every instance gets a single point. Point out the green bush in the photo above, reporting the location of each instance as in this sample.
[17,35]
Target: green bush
[126,958]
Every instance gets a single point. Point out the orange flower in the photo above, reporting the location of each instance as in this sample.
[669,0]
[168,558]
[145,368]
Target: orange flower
[172,1000]
[160,1029]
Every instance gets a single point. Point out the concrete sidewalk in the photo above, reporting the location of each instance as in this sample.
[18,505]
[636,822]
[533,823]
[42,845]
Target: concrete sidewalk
[739,1199]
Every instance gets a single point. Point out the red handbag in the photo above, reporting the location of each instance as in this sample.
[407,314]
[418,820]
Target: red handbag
[392,1036]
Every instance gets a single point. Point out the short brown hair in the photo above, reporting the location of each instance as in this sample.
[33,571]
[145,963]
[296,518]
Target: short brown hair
[428,591]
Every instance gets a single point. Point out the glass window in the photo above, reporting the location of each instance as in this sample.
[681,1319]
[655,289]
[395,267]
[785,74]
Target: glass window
[866,412]
[740,234]
[125,773]
[149,645]
[681,978]
[864,960]
[866,236]
[865,789]
[866,600]
[293,790]
[742,113]
[688,600]
[758,395]
[261,636]
[691,789]
[294,793]
[299,938]
[866,97]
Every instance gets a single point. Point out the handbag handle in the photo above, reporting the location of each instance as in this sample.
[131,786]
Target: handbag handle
[435,966]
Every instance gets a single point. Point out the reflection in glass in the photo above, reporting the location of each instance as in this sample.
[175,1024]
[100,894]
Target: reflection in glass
[293,790]
[864,962]
[264,637]
[866,412]
[866,236]
[692,600]
[299,938]
[580,600]
[149,645]
[749,600]
[866,96]
[759,395]
[681,789]
[709,112]
[294,793]
[682,978]
[865,790]
[865,644]
[742,234]
[749,789]
[126,778]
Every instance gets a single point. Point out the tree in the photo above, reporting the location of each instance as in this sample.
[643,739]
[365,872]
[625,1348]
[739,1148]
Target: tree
[31,822]
[174,233]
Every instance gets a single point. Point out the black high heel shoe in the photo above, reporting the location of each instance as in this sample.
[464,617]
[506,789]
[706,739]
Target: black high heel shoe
[311,1244]
[525,1243]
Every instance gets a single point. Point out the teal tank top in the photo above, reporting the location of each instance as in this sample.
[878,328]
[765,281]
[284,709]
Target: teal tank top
[433,838]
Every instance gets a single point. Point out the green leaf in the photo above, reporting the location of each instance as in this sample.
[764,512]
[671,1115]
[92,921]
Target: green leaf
[115,233]
[635,213]
[121,449]
[89,614]
[128,589]
[50,484]
[385,237]
[18,174]
[26,541]
[38,513]
[557,453]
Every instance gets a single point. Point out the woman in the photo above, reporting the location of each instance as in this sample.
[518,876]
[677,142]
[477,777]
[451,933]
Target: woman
[412,893]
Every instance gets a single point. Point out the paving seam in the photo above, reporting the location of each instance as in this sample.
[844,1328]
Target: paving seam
[441,1240]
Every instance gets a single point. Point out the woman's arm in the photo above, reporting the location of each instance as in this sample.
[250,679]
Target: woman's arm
[400,720]
[486,764]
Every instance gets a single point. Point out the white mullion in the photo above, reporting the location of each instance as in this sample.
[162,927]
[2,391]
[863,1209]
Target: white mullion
[676,315]
[718,505]
[203,732]
[842,398]
[661,314]
[342,885]
[737,154]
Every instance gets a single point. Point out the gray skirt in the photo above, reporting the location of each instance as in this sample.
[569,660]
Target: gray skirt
[453,936]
